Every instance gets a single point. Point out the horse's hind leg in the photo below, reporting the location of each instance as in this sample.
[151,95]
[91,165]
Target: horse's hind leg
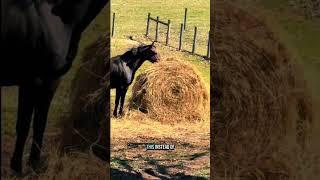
[25,110]
[123,97]
[118,94]
[44,96]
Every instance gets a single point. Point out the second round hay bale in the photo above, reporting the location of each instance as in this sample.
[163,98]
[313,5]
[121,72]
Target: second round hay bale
[259,98]
[170,91]
[89,98]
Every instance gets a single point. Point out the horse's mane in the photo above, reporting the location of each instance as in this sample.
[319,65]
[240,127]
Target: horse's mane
[128,56]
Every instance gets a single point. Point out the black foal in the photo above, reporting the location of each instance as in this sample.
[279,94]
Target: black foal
[124,67]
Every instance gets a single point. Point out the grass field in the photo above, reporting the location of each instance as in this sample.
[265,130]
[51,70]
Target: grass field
[131,18]
[191,156]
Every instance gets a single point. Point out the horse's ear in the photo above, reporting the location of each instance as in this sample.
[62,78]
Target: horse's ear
[152,43]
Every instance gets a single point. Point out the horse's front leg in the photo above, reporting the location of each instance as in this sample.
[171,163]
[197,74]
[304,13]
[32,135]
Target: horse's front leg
[25,110]
[123,97]
[118,91]
[45,93]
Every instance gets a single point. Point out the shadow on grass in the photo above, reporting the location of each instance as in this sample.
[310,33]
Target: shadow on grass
[158,171]
[196,155]
[118,174]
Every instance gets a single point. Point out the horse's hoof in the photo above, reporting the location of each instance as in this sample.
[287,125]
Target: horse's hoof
[100,152]
[16,166]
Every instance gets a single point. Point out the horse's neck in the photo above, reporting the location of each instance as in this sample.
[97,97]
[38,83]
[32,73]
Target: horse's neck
[133,62]
[137,64]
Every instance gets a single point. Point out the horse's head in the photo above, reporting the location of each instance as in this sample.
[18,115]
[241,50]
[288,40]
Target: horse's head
[149,52]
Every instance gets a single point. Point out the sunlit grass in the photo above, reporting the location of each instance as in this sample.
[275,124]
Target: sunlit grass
[131,19]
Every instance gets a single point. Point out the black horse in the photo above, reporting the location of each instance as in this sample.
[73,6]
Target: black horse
[124,67]
[39,42]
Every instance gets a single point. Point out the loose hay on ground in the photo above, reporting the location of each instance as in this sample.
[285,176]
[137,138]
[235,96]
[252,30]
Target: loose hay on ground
[259,99]
[170,91]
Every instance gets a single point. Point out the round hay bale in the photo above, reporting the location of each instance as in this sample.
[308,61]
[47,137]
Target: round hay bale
[90,99]
[259,97]
[170,91]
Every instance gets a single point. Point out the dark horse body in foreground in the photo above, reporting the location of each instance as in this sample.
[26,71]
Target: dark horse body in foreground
[39,42]
[123,69]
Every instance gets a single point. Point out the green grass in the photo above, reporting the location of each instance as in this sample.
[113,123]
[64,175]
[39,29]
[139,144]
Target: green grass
[131,18]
